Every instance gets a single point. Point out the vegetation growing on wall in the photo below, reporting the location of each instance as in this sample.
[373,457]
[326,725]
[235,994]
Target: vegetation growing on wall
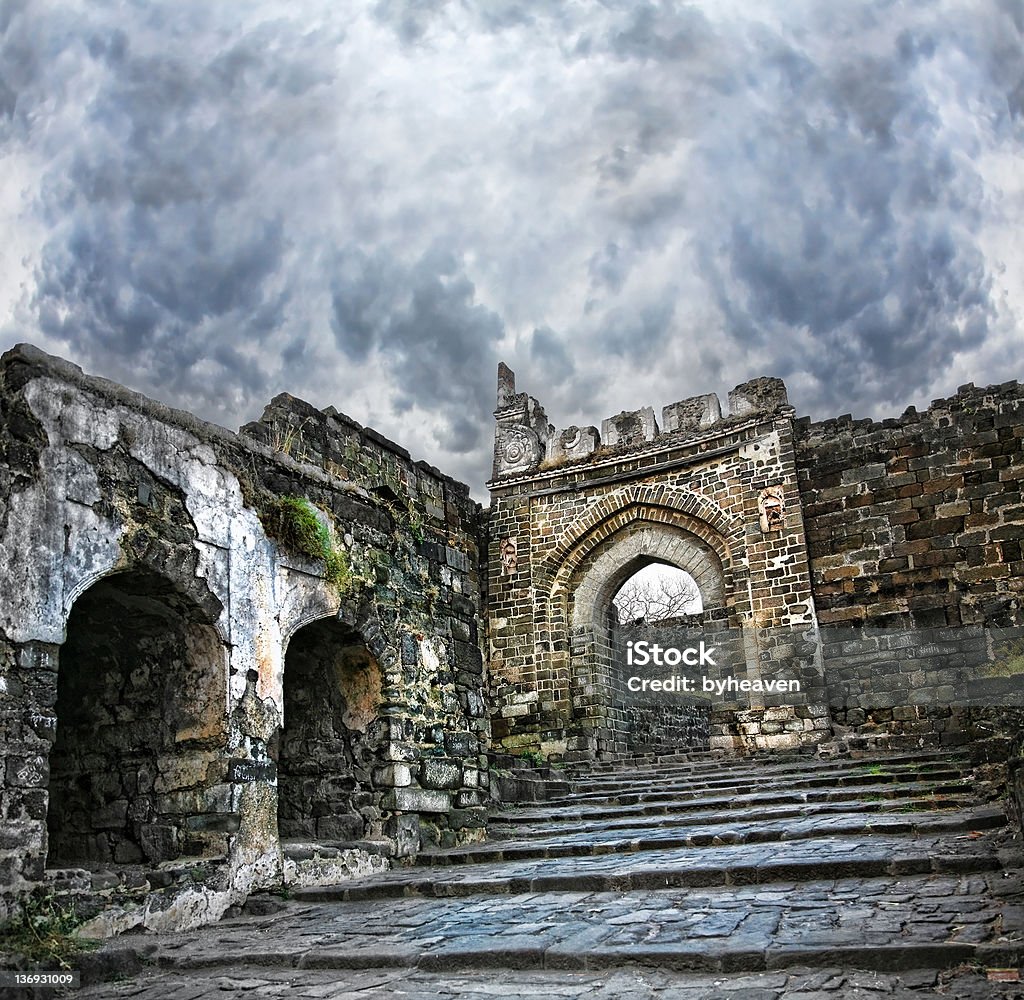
[1008,659]
[296,523]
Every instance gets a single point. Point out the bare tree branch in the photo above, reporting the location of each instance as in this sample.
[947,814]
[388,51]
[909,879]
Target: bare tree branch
[652,600]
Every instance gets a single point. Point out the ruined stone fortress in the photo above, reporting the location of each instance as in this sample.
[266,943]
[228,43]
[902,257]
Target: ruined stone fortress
[293,652]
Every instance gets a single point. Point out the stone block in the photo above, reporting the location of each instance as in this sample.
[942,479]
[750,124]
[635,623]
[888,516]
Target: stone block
[159,842]
[760,395]
[403,752]
[693,414]
[417,800]
[393,776]
[404,831]
[438,773]
[630,427]
[214,823]
[573,443]
[461,744]
[112,816]
[467,818]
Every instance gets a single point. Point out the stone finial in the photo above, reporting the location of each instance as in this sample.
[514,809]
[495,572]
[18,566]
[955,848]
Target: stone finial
[760,395]
[522,431]
[693,414]
[506,386]
[630,427]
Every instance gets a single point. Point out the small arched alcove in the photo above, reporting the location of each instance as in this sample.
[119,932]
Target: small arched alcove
[332,736]
[141,727]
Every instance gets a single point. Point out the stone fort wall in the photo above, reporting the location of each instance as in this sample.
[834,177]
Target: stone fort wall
[185,683]
[228,660]
[877,563]
[914,529]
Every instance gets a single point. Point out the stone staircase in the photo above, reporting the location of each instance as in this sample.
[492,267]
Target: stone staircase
[753,871]
[724,864]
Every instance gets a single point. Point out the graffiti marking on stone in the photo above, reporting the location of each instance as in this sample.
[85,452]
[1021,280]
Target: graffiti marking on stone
[251,770]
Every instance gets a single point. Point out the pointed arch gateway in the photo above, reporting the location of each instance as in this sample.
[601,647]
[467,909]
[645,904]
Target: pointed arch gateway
[575,512]
[604,715]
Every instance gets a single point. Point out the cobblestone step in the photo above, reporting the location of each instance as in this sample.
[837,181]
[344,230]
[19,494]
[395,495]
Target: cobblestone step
[781,824]
[796,867]
[629,818]
[585,843]
[686,801]
[876,923]
[783,765]
[711,759]
[741,864]
[243,981]
[743,785]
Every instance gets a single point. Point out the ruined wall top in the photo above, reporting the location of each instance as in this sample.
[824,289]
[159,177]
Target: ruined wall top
[290,430]
[524,441]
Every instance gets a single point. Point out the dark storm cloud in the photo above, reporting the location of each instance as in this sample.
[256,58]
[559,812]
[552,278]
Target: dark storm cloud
[625,201]
[663,32]
[848,214]
[437,344]
[166,247]
[548,351]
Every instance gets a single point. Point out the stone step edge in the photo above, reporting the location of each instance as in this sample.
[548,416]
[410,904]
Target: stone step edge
[499,833]
[765,784]
[624,816]
[763,834]
[523,953]
[708,758]
[665,878]
[761,766]
[668,802]
[629,783]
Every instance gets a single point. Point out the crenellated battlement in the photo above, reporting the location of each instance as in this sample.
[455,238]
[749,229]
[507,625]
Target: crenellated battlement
[524,439]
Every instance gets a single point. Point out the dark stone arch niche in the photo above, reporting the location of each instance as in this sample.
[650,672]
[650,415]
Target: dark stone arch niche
[135,769]
[333,737]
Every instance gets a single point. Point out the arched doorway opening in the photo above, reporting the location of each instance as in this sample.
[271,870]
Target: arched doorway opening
[332,737]
[141,727]
[657,592]
[658,608]
[655,578]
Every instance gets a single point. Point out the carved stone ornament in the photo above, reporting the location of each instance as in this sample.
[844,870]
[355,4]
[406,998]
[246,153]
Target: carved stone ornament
[518,449]
[771,506]
[509,554]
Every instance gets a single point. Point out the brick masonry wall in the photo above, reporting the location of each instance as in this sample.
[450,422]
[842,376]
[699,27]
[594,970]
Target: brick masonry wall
[914,531]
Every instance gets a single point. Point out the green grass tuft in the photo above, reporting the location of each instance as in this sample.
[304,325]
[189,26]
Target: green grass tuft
[294,522]
[44,933]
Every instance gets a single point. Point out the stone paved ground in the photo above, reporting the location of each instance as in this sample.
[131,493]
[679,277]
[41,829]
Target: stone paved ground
[652,884]
[627,983]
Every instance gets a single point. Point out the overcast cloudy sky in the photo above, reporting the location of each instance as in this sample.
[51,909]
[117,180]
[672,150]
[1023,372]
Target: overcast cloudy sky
[370,204]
